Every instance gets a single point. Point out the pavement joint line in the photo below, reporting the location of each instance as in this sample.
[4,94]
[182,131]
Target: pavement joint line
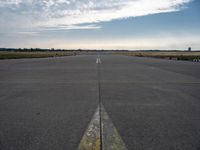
[101,134]
[100,102]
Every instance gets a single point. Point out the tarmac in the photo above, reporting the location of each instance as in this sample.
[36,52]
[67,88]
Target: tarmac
[48,103]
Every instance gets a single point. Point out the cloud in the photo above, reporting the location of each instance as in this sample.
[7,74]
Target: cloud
[71,13]
[9,2]
[70,27]
[30,33]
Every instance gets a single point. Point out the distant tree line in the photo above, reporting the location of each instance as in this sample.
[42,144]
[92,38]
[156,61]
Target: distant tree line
[81,50]
[53,50]
[29,49]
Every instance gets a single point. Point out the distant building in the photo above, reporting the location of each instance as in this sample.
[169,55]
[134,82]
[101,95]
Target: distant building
[189,49]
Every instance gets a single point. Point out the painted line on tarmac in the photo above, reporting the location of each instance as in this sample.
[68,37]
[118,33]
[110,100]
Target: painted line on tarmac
[98,61]
[91,138]
[111,139]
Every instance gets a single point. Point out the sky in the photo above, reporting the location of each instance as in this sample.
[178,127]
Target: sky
[100,24]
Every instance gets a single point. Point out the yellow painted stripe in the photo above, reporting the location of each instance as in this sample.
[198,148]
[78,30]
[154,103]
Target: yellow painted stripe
[111,139]
[91,138]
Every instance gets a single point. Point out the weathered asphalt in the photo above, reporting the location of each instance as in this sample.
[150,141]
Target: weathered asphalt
[47,104]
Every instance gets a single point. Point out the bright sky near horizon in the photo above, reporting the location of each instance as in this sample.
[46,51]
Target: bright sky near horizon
[100,24]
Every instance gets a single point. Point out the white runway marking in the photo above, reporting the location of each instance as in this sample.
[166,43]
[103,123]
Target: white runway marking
[98,61]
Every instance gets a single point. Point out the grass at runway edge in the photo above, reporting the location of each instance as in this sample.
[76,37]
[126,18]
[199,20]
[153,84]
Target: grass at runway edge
[182,55]
[174,55]
[20,55]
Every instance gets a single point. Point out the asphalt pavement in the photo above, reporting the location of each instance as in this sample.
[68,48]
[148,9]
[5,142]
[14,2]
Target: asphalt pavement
[47,104]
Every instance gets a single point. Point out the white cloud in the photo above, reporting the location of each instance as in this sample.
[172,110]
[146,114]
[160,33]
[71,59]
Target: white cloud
[9,2]
[48,13]
[71,27]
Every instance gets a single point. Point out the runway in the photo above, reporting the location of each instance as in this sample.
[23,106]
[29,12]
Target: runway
[47,104]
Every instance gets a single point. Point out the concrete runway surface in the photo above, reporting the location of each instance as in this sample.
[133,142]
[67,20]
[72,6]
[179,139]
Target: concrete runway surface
[47,104]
